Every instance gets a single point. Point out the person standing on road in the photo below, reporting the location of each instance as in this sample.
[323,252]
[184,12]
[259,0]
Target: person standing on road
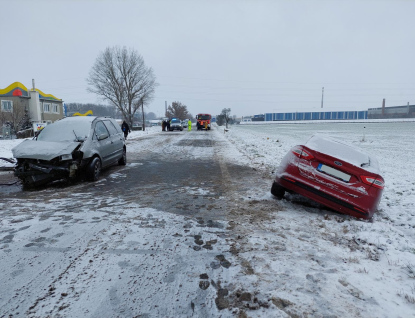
[163,125]
[125,128]
[168,124]
[189,125]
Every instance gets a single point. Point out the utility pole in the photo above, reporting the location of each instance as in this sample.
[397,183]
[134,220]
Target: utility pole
[142,108]
[322,97]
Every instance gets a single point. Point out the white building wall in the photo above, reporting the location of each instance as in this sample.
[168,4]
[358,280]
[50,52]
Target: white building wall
[34,107]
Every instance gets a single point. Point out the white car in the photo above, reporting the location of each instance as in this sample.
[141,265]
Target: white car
[175,124]
[185,123]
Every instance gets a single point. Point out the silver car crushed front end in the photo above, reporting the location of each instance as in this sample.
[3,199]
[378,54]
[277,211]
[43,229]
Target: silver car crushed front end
[67,148]
[37,163]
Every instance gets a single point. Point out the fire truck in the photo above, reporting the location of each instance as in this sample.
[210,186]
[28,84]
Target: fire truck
[203,121]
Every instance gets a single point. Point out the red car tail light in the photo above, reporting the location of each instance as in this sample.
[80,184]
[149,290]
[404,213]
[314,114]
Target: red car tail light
[376,182]
[289,179]
[301,153]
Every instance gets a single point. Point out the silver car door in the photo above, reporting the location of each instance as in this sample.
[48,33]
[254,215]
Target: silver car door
[103,142]
[117,139]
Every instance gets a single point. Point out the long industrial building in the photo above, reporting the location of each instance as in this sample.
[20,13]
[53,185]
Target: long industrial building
[407,111]
[316,115]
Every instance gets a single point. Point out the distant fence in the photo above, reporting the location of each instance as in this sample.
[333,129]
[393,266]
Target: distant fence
[25,133]
[316,116]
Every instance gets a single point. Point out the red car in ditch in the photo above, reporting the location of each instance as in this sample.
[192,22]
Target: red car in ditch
[332,173]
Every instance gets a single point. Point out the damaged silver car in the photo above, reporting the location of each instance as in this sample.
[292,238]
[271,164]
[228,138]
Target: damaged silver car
[70,148]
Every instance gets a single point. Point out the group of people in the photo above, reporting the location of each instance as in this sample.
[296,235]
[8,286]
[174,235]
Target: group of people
[200,126]
[165,125]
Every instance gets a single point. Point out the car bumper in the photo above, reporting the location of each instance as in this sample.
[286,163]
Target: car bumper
[34,169]
[331,200]
[34,173]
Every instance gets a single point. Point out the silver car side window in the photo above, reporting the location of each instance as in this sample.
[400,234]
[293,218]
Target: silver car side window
[110,126]
[100,129]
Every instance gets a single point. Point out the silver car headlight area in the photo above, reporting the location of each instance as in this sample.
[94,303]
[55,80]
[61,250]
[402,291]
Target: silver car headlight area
[66,157]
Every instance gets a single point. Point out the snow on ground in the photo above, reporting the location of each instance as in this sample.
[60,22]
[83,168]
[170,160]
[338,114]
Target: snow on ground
[295,258]
[6,150]
[310,259]
[136,134]
[120,250]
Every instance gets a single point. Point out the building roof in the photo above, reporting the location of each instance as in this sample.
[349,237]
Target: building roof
[18,89]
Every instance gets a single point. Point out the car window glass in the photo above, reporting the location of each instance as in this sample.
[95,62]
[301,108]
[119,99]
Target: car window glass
[117,126]
[100,128]
[110,126]
[65,130]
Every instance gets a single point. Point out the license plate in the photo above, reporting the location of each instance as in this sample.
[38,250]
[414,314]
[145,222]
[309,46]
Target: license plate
[334,172]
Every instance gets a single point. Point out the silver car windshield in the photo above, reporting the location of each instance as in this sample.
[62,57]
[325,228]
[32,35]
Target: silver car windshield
[65,131]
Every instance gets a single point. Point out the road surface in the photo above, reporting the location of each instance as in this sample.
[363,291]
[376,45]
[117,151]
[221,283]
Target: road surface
[152,239]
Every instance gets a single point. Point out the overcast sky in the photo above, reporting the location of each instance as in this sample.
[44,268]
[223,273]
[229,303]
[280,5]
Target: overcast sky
[253,56]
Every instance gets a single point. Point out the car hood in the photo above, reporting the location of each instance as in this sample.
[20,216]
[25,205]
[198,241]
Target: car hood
[43,150]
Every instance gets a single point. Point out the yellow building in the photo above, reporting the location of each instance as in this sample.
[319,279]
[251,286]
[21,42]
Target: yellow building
[16,101]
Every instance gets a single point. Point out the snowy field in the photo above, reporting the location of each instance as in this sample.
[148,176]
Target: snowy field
[293,257]
[371,264]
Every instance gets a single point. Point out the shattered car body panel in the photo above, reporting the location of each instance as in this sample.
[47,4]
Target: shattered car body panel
[66,148]
[43,150]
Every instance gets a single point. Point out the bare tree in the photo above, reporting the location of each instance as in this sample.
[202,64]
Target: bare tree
[16,119]
[178,110]
[121,77]
[151,116]
[226,113]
